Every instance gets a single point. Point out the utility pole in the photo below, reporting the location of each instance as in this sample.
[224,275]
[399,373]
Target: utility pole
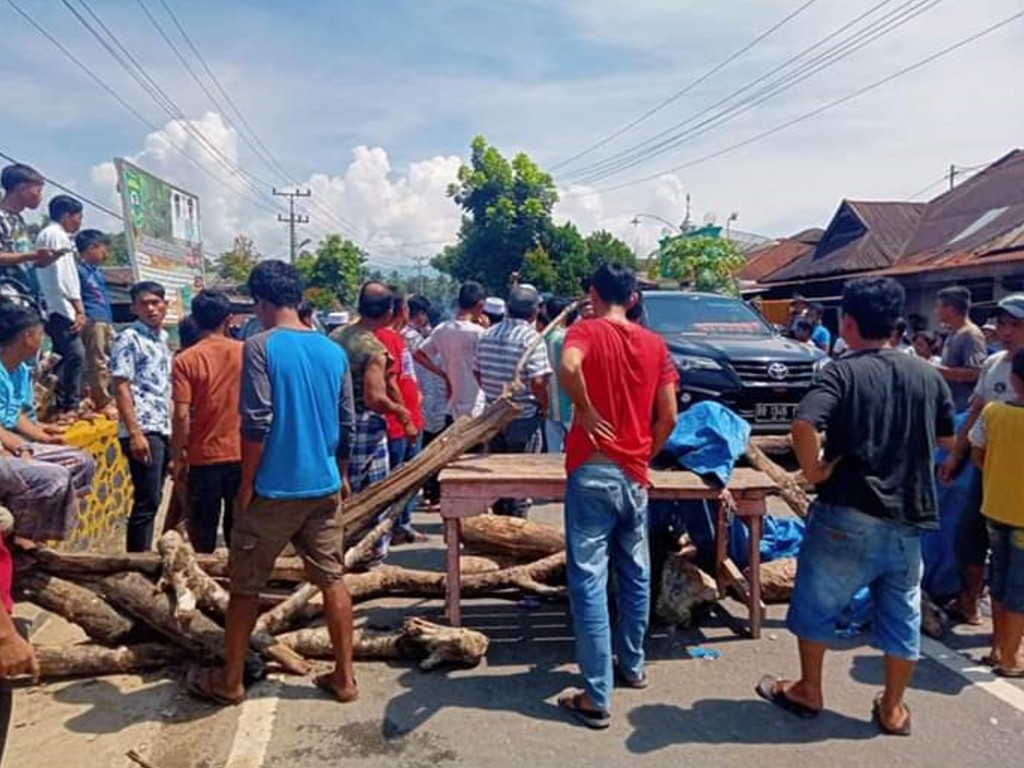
[952,176]
[291,220]
[419,261]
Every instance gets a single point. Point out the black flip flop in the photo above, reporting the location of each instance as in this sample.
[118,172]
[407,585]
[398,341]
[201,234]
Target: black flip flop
[767,688]
[1013,673]
[876,715]
[595,719]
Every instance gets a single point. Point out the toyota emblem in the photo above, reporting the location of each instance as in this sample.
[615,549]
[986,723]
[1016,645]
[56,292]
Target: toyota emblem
[778,371]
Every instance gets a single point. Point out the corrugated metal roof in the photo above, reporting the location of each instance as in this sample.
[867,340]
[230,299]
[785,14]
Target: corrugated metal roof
[861,237]
[765,261]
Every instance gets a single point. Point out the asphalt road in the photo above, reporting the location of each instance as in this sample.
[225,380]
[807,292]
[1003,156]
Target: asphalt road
[503,713]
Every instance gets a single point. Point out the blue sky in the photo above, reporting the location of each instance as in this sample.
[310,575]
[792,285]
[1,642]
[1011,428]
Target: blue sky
[372,104]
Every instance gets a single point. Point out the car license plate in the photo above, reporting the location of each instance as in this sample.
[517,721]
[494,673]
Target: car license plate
[774,412]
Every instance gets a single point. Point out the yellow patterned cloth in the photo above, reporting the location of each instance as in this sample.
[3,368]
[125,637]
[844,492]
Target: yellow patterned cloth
[103,514]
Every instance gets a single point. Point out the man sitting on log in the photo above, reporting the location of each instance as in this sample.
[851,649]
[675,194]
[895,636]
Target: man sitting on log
[623,389]
[297,432]
[21,335]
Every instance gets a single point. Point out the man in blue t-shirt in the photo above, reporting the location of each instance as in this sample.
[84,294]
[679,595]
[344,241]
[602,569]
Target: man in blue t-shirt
[297,430]
[820,336]
[98,331]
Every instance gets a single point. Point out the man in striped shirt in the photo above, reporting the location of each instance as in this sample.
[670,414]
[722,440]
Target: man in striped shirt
[498,353]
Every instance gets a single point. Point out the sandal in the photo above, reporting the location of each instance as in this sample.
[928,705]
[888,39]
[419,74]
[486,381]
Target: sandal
[199,683]
[876,716]
[326,684]
[596,719]
[1015,673]
[637,684]
[957,615]
[769,688]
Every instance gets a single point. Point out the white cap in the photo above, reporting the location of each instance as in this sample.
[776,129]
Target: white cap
[494,306]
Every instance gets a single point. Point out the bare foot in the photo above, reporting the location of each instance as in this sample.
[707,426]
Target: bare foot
[331,683]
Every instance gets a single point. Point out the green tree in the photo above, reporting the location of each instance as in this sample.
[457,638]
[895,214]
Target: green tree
[333,273]
[604,247]
[507,207]
[538,270]
[703,263]
[234,265]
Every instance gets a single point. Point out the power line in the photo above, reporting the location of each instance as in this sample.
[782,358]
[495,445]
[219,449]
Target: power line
[881,27]
[63,188]
[682,92]
[292,219]
[815,112]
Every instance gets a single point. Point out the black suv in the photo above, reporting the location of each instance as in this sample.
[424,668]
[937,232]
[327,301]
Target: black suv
[727,352]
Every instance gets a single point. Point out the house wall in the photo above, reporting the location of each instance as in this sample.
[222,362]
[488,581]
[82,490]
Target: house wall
[988,285]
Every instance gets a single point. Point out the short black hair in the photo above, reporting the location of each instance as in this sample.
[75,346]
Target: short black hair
[87,238]
[63,205]
[189,331]
[1017,364]
[554,306]
[146,286]
[614,283]
[210,309]
[930,338]
[875,304]
[15,318]
[817,307]
[470,294]
[306,310]
[803,325]
[635,314]
[418,304]
[13,176]
[276,282]
[957,297]
[374,300]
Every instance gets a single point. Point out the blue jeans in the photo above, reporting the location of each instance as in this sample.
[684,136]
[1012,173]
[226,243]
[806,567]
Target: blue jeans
[844,551]
[606,521]
[401,450]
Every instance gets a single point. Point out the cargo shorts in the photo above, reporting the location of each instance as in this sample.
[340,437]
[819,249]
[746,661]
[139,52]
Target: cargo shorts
[261,532]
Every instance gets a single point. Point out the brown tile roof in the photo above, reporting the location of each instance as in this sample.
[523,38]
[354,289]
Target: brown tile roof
[765,261]
[861,237]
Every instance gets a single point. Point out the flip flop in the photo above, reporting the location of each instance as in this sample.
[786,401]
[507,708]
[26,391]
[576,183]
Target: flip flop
[596,719]
[323,682]
[957,615]
[876,716]
[1015,673]
[767,688]
[199,683]
[638,684]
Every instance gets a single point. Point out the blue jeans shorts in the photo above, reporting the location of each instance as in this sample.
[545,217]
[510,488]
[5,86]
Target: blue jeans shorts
[844,551]
[1006,569]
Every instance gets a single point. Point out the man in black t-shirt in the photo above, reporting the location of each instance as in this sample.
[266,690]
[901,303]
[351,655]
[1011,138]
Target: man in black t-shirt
[884,414]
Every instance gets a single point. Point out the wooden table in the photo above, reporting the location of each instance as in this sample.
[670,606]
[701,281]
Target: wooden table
[473,483]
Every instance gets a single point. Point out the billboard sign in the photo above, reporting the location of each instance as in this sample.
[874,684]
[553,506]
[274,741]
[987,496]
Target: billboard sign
[162,234]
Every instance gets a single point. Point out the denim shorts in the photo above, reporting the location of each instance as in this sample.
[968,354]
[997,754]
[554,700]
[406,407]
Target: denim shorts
[844,551]
[1006,569]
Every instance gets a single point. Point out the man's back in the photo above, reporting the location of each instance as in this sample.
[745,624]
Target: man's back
[965,348]
[294,390]
[624,364]
[498,353]
[361,346]
[208,376]
[455,342]
[882,412]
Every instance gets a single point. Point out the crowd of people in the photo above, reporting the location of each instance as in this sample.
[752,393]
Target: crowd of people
[265,438]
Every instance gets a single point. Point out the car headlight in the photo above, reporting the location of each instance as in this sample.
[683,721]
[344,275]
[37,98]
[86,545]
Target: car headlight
[696,363]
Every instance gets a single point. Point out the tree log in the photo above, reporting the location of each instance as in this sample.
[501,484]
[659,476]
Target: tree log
[776,445]
[57,661]
[777,579]
[278,618]
[448,446]
[432,644]
[524,540]
[174,557]
[684,588]
[790,488]
[77,604]
[363,548]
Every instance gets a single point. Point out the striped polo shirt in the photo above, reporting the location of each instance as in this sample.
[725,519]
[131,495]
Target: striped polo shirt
[497,355]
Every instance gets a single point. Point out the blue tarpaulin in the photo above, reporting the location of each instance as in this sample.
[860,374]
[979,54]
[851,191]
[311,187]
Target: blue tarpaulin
[709,439]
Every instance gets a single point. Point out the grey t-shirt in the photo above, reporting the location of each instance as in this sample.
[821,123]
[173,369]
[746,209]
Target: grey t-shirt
[964,349]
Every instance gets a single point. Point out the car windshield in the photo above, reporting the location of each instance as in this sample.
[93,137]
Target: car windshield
[702,316]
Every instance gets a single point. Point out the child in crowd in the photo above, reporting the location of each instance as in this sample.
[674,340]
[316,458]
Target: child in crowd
[928,347]
[98,331]
[997,440]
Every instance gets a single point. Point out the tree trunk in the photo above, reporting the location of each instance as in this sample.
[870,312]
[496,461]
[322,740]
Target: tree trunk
[432,644]
[684,588]
[777,579]
[174,556]
[77,604]
[523,540]
[280,617]
[790,489]
[56,661]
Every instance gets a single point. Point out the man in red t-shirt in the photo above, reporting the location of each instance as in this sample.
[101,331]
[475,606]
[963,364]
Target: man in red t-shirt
[403,445]
[623,390]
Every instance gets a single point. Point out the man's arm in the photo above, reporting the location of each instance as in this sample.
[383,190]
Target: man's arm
[540,391]
[181,425]
[16,655]
[377,394]
[961,444]
[959,375]
[570,375]
[347,431]
[257,410]
[666,412]
[14,444]
[138,445]
[71,288]
[978,457]
[34,433]
[807,446]
[423,359]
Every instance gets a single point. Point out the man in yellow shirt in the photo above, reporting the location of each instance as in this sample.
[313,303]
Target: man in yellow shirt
[997,441]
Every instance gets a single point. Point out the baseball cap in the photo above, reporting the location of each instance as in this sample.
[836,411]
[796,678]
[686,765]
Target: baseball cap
[494,306]
[523,299]
[1013,305]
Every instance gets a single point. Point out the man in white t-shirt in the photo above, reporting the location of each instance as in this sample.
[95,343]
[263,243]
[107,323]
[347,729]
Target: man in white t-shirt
[993,386]
[62,292]
[453,345]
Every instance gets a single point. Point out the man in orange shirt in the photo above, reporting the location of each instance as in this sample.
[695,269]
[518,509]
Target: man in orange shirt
[206,443]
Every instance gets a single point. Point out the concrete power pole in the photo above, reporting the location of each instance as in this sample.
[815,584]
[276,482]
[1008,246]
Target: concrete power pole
[291,220]
[419,261]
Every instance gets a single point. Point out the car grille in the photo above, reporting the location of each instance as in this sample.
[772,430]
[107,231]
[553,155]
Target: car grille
[758,373]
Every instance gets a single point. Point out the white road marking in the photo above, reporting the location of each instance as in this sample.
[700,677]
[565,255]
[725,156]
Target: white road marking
[255,728]
[976,674]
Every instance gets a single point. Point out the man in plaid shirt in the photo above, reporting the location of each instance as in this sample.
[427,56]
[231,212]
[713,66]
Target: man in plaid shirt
[498,353]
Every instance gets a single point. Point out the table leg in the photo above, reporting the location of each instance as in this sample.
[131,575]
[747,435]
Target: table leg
[756,616]
[721,545]
[453,589]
